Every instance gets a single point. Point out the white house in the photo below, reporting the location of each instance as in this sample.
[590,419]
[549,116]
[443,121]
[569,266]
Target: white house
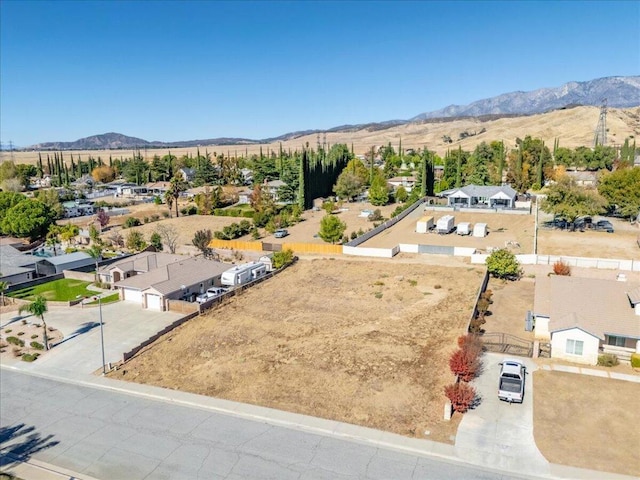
[181,280]
[490,196]
[187,174]
[584,317]
[407,182]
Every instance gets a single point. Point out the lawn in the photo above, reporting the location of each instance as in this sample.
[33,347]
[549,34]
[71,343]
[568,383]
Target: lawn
[108,299]
[62,290]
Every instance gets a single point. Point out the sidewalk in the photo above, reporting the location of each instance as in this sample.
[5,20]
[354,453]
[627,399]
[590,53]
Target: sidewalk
[330,428]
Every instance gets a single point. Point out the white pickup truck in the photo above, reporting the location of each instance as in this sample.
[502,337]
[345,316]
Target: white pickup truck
[511,386]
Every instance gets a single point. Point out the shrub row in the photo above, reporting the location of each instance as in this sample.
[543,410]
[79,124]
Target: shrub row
[465,364]
[233,212]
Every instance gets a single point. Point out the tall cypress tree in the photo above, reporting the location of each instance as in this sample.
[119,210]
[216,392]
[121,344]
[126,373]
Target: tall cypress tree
[539,166]
[459,167]
[40,167]
[371,167]
[423,172]
[302,181]
[501,161]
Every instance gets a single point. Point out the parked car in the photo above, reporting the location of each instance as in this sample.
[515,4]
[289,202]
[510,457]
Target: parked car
[281,233]
[212,292]
[511,384]
[604,226]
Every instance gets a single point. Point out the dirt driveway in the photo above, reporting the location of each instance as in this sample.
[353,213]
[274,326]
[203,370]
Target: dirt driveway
[346,340]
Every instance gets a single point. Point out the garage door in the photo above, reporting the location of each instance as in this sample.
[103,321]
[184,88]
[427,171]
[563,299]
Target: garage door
[133,296]
[154,302]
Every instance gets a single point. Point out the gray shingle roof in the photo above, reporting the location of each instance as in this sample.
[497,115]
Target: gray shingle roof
[10,256]
[595,305]
[171,277]
[67,258]
[142,262]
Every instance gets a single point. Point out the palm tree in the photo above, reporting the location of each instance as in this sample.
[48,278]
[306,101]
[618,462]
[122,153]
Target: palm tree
[38,307]
[95,252]
[176,187]
[168,197]
[3,287]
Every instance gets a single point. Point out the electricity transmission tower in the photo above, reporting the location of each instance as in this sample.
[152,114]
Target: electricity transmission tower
[600,135]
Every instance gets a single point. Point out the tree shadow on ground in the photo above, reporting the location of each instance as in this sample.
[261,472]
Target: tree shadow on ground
[19,442]
[82,329]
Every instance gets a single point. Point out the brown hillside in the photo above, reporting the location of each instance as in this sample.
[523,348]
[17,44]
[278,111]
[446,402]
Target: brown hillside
[574,127]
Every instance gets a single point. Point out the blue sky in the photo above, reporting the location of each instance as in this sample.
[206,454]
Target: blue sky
[193,70]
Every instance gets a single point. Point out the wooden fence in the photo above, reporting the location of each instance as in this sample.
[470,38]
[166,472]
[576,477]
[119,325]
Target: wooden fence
[321,248]
[297,247]
[236,245]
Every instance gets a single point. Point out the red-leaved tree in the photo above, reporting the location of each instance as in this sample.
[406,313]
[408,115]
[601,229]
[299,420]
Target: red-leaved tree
[464,364]
[461,395]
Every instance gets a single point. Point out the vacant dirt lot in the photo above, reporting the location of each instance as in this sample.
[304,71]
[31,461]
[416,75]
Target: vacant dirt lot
[622,244]
[511,300]
[337,339]
[502,228]
[587,422]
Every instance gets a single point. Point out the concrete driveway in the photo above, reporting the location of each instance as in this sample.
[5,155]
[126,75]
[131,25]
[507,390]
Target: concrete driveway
[498,434]
[125,326]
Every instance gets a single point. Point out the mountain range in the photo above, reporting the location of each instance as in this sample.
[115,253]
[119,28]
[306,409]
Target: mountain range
[618,92]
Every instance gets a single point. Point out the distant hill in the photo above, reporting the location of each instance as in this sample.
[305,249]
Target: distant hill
[620,92]
[117,141]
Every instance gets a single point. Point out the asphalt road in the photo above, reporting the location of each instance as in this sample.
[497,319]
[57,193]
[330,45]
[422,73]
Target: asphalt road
[112,435]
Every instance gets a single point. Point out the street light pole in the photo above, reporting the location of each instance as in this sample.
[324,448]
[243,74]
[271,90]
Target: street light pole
[104,364]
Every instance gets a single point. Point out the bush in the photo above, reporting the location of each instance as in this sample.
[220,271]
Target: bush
[155,217]
[635,360]
[465,364]
[376,216]
[20,334]
[35,335]
[608,360]
[15,341]
[503,264]
[475,326]
[131,222]
[30,357]
[470,343]
[461,396]
[145,220]
[282,258]
[166,214]
[37,346]
[561,268]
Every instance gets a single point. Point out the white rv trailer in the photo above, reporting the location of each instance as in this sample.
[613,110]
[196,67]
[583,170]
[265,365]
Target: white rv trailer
[445,224]
[243,273]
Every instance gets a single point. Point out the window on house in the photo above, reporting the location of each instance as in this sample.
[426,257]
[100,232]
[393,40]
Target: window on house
[574,347]
[615,341]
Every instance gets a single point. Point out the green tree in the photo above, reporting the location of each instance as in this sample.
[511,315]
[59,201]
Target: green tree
[29,218]
[201,241]
[566,199]
[379,192]
[176,187]
[3,288]
[136,170]
[95,252]
[10,199]
[401,194]
[622,190]
[503,264]
[135,241]
[156,241]
[285,257]
[38,307]
[94,234]
[348,185]
[331,228]
[51,198]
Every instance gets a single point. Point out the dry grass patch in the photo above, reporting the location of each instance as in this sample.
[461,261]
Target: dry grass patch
[359,342]
[588,422]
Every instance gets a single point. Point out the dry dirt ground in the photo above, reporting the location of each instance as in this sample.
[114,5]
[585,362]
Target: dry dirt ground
[574,127]
[622,244]
[337,339]
[587,422]
[511,300]
[502,228]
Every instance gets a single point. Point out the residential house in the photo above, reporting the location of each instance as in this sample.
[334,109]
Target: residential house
[15,266]
[247,176]
[272,187]
[489,196]
[69,261]
[244,197]
[407,182]
[187,174]
[584,317]
[584,178]
[135,265]
[181,280]
[157,188]
[77,208]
